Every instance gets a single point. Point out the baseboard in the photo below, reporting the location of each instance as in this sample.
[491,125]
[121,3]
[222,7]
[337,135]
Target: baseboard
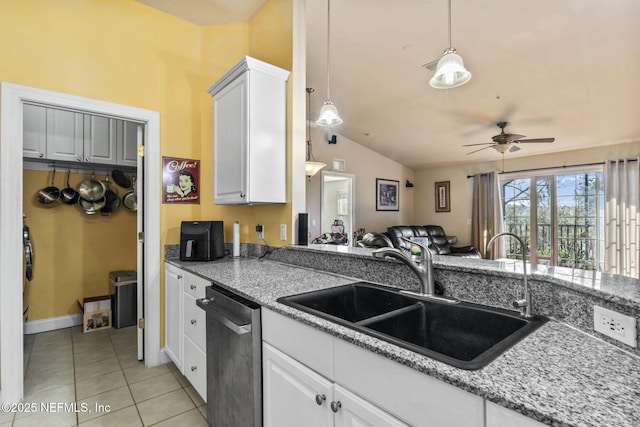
[52,323]
[164,357]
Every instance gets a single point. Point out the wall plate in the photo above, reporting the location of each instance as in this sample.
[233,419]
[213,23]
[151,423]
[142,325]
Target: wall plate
[615,325]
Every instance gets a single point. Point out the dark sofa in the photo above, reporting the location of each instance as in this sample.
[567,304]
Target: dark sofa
[439,242]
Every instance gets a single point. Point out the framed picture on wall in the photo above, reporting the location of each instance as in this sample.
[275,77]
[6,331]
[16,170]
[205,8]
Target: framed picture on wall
[443,197]
[387,195]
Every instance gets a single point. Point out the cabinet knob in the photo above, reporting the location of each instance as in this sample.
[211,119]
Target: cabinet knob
[194,368]
[193,287]
[41,155]
[79,159]
[335,406]
[193,321]
[242,195]
[179,277]
[320,398]
[86,159]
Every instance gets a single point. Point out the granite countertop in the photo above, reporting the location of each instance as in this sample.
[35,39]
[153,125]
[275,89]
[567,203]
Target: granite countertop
[558,375]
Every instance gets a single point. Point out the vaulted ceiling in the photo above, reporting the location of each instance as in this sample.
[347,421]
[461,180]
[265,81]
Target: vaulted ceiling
[566,69]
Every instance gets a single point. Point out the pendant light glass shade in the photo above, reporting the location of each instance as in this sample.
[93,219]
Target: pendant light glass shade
[312,168]
[329,113]
[450,72]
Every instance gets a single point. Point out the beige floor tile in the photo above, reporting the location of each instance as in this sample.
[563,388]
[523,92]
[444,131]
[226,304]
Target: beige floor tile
[49,419]
[153,387]
[140,372]
[104,403]
[164,407]
[41,366]
[55,379]
[99,384]
[129,360]
[94,369]
[128,417]
[203,411]
[194,395]
[93,356]
[193,418]
[6,417]
[60,351]
[181,379]
[82,346]
[66,393]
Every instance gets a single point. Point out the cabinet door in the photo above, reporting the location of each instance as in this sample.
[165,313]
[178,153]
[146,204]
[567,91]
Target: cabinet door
[100,135]
[499,416]
[173,334]
[34,131]
[195,367]
[230,143]
[356,412]
[195,322]
[127,143]
[64,135]
[291,393]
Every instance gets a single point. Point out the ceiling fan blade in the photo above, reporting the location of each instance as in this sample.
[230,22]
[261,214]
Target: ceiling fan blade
[507,138]
[483,143]
[535,140]
[483,148]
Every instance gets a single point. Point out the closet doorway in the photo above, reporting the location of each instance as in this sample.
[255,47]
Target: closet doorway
[11,221]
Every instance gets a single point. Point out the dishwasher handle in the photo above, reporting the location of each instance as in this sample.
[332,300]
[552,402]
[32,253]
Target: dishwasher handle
[204,303]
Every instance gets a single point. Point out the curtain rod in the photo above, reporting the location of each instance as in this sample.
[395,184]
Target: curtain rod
[555,167]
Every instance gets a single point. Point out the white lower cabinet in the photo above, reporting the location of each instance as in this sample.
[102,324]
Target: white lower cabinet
[499,416]
[185,325]
[294,395]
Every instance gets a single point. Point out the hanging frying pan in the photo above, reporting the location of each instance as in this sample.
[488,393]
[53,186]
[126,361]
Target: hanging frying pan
[91,189]
[120,178]
[69,195]
[51,194]
[130,199]
[111,198]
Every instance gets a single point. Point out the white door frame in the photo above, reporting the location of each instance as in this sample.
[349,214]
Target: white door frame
[11,208]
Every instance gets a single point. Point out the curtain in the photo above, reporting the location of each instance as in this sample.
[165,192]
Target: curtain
[622,217]
[487,217]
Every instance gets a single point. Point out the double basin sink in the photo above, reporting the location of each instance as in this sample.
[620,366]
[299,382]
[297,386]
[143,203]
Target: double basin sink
[465,335]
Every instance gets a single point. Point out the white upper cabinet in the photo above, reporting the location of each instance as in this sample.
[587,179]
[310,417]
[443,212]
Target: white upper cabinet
[69,136]
[250,136]
[65,138]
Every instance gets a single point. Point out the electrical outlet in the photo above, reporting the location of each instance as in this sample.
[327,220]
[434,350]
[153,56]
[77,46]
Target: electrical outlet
[260,231]
[283,231]
[615,325]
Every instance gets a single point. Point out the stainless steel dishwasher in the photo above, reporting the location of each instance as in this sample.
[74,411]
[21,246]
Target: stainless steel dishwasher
[234,359]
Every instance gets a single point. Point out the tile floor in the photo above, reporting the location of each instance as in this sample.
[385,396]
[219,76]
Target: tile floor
[78,376]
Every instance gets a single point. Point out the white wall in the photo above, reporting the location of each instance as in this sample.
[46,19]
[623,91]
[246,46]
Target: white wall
[456,222]
[367,165]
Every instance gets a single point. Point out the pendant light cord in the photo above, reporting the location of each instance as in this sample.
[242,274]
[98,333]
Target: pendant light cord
[328,48]
[450,45]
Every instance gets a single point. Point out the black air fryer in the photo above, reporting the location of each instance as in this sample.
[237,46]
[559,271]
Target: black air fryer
[201,240]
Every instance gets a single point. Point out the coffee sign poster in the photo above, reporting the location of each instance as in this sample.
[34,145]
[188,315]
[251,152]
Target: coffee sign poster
[180,180]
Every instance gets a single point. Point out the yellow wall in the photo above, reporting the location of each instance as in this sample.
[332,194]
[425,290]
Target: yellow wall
[74,252]
[124,52]
[456,221]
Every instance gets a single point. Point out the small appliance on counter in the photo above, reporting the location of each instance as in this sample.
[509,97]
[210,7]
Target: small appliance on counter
[201,240]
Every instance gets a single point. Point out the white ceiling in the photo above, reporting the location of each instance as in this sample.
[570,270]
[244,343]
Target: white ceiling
[567,69]
[208,12]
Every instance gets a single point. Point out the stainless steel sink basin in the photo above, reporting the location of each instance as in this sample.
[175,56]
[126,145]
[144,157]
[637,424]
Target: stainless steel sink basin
[464,335]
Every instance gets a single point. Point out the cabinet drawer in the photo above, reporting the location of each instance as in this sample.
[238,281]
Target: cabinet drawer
[195,285]
[308,345]
[195,322]
[195,367]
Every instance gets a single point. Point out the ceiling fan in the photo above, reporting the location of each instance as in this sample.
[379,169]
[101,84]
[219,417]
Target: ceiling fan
[503,141]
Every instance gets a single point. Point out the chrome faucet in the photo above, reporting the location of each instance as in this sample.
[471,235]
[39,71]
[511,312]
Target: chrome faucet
[423,269]
[524,304]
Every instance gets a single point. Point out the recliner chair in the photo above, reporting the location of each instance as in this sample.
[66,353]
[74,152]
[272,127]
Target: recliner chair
[441,246]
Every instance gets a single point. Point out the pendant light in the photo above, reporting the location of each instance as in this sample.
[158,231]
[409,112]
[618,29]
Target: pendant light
[311,167]
[329,113]
[450,72]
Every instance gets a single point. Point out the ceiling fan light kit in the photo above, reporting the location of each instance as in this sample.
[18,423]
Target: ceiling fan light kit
[503,141]
[329,113]
[450,72]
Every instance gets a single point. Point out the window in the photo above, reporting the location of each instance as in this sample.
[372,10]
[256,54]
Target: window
[567,213]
